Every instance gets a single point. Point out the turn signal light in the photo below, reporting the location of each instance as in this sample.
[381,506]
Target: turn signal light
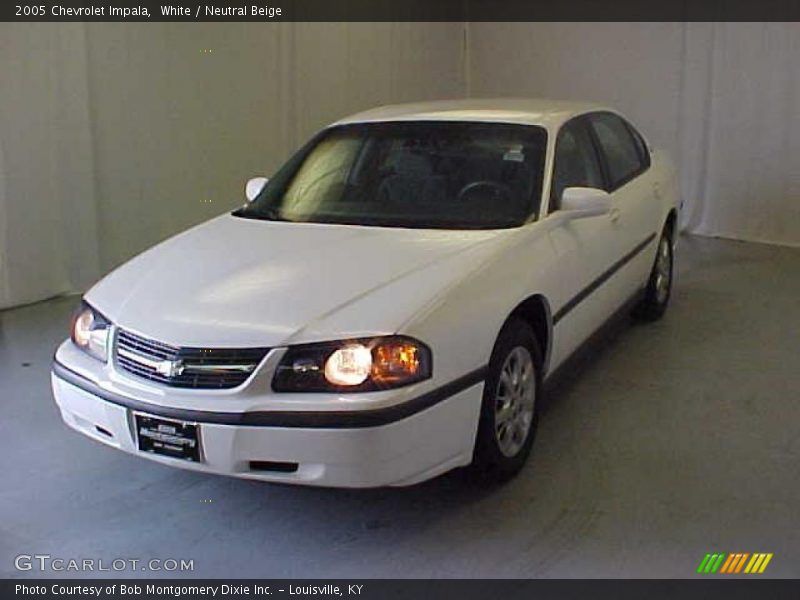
[395,361]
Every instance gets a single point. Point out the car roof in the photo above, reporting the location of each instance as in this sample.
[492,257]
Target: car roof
[528,111]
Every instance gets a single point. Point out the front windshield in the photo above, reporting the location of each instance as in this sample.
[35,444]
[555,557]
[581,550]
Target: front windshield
[442,175]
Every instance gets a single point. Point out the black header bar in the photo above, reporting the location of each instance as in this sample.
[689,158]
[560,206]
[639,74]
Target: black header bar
[401,10]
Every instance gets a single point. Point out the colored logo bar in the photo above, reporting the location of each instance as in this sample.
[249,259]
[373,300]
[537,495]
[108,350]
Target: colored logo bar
[733,563]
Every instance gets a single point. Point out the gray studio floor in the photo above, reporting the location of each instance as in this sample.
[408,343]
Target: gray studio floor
[677,439]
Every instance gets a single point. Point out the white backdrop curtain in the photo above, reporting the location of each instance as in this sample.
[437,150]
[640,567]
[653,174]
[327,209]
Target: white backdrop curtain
[723,98]
[114,136]
[48,241]
[741,151]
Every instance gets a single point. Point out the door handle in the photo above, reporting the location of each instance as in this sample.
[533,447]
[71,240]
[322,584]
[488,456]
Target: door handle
[657,191]
[613,214]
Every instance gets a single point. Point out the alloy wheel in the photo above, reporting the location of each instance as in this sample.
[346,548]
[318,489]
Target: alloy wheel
[515,397]
[663,270]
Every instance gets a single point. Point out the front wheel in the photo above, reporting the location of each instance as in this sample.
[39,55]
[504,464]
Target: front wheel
[659,285]
[509,411]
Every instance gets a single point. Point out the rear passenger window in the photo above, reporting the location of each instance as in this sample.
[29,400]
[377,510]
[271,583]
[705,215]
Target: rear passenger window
[623,158]
[641,146]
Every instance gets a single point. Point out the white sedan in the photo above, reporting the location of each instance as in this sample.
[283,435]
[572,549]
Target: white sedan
[386,307]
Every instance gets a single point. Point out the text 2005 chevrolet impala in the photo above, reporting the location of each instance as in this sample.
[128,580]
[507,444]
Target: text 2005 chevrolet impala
[387,306]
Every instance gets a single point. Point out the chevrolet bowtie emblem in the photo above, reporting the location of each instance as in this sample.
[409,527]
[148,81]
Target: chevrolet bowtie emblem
[170,368]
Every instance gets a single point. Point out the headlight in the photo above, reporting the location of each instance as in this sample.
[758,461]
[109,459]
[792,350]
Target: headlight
[353,365]
[90,332]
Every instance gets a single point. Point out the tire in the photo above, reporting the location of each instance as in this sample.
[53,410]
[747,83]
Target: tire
[501,449]
[659,284]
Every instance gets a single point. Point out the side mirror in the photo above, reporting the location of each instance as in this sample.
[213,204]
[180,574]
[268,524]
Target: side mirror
[582,202]
[253,187]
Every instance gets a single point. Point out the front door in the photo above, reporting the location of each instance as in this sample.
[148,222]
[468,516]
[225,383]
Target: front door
[586,248]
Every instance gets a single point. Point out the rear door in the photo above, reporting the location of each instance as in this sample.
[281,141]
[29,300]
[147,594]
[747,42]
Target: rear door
[635,210]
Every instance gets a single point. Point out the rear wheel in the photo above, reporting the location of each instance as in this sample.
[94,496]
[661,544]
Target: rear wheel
[509,412]
[659,285]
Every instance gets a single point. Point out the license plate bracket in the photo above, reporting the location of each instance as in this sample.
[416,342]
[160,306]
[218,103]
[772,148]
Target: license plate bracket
[167,437]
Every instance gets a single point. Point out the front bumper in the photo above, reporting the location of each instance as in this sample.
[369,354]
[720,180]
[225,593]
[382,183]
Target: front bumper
[397,444]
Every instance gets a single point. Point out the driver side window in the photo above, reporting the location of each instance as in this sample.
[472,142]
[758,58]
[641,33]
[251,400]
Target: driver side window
[575,162]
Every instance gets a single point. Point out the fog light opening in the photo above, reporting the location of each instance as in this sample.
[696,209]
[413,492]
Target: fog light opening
[273,466]
[105,432]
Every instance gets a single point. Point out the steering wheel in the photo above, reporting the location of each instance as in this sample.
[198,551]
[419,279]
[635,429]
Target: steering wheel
[498,188]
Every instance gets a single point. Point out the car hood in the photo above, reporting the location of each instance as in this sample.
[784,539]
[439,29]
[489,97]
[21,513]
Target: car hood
[241,282]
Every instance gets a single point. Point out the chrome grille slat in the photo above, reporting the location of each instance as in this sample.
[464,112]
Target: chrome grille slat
[149,352]
[137,340]
[235,364]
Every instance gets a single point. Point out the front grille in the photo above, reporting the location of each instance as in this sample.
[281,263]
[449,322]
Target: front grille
[200,368]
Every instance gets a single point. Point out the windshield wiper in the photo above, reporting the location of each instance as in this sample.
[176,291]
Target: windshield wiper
[269,214]
[273,214]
